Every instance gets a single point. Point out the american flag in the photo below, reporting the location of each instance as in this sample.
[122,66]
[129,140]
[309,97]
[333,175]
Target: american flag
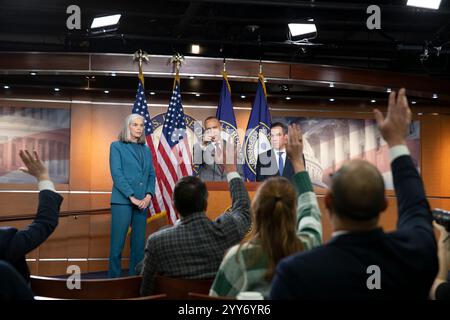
[174,156]
[140,107]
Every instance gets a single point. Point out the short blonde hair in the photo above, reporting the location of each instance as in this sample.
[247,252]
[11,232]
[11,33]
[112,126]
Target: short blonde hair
[125,135]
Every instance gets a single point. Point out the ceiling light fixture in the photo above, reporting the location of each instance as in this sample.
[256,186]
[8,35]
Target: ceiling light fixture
[152,93]
[288,98]
[302,29]
[106,91]
[435,96]
[6,87]
[57,89]
[331,99]
[195,49]
[105,21]
[427,4]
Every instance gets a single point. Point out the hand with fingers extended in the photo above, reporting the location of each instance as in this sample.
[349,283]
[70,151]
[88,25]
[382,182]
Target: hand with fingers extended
[394,128]
[294,147]
[230,156]
[33,165]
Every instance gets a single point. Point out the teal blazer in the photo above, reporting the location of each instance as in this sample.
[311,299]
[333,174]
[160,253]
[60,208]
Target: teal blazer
[130,176]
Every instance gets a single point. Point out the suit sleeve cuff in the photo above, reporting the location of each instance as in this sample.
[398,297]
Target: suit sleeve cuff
[232,175]
[46,185]
[398,151]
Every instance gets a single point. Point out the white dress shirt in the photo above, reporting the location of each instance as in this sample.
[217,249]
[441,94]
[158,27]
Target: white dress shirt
[283,156]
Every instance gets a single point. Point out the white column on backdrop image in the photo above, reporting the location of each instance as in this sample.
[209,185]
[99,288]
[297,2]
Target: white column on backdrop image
[356,138]
[370,141]
[340,144]
[327,148]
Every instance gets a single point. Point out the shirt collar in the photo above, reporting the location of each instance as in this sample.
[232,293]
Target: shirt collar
[338,233]
[191,217]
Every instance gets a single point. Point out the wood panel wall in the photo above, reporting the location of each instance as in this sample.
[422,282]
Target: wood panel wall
[95,126]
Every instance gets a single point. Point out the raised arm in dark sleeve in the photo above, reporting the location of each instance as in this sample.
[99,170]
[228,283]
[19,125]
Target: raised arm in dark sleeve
[23,241]
[413,207]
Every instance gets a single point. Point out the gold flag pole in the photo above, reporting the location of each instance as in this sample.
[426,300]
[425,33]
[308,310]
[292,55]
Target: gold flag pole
[141,56]
[225,75]
[177,60]
[261,77]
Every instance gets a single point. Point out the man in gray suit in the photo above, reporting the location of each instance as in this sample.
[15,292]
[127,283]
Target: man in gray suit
[194,247]
[211,153]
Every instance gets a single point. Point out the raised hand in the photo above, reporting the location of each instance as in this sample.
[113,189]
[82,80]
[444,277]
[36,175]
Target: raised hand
[33,165]
[394,128]
[294,147]
[230,156]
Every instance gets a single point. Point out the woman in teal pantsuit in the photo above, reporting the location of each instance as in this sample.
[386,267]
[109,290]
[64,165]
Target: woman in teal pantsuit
[133,177]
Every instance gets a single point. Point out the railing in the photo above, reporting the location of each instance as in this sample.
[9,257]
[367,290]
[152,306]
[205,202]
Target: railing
[62,214]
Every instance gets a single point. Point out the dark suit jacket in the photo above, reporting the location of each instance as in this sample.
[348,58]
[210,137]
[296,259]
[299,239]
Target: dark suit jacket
[338,270]
[208,169]
[15,244]
[12,285]
[267,166]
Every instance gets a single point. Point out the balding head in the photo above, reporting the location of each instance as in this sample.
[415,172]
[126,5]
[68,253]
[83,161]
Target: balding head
[357,191]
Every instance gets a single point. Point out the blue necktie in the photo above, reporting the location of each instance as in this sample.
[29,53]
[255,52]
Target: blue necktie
[280,163]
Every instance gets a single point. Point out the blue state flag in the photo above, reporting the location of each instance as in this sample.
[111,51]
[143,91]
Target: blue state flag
[257,135]
[225,112]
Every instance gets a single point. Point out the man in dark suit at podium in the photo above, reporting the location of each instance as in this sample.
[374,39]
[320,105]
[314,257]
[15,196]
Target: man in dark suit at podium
[275,162]
[211,153]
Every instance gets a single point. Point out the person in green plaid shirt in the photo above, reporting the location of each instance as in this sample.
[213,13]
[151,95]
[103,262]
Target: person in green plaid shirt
[285,221]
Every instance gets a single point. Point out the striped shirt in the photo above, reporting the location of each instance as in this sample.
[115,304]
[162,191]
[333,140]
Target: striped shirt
[237,274]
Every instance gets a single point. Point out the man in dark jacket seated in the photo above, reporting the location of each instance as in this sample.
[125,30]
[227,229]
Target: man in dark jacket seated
[362,261]
[12,284]
[15,244]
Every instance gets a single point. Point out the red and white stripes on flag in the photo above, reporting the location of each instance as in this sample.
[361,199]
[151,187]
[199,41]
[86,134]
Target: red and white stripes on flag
[173,155]
[140,107]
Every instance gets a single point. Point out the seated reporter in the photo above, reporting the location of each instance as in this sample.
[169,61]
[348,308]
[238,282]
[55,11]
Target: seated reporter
[195,246]
[15,244]
[362,261]
[12,285]
[286,221]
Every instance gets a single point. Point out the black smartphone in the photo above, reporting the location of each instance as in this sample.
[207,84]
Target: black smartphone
[442,217]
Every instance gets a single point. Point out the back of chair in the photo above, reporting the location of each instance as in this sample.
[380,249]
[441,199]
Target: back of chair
[178,289]
[118,288]
[200,296]
[152,297]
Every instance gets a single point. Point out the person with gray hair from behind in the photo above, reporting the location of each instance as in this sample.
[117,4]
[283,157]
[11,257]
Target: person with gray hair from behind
[362,261]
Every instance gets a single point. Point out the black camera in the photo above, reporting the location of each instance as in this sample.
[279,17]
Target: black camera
[442,217]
